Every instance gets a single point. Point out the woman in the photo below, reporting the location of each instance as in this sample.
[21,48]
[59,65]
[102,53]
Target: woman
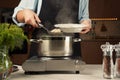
[35,11]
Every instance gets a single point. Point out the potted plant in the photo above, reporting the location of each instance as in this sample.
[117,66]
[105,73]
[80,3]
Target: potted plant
[11,36]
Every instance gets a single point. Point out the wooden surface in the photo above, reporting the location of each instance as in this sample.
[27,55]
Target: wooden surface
[104,8]
[8,3]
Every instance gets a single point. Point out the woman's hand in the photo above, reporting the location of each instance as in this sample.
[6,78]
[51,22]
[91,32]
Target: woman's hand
[86,29]
[29,17]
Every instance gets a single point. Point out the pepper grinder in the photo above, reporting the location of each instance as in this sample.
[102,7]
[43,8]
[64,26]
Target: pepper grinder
[107,66]
[117,62]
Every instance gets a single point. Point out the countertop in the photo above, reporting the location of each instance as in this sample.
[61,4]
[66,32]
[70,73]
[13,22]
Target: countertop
[87,72]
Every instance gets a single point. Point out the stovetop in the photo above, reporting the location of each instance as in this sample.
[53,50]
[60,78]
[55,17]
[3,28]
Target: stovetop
[38,64]
[52,58]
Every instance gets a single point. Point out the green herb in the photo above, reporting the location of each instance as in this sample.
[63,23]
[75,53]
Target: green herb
[11,35]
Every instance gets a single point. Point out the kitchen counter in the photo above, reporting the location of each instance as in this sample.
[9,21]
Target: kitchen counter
[87,72]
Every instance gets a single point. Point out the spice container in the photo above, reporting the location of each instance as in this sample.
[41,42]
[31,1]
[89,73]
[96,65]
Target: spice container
[117,62]
[108,67]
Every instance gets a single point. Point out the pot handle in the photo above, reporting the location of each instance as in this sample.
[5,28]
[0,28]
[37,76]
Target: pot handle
[76,40]
[36,40]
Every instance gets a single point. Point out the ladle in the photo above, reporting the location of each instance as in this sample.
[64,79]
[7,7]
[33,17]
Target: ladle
[42,26]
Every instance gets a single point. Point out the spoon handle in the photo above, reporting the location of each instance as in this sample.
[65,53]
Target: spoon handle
[42,26]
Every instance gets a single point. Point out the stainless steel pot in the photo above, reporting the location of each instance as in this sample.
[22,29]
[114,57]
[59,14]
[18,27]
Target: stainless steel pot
[54,45]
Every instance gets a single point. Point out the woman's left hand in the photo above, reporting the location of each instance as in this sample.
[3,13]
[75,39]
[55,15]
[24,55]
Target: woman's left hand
[87,28]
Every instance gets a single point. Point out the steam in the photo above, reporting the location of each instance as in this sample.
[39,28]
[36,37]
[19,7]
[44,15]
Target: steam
[67,13]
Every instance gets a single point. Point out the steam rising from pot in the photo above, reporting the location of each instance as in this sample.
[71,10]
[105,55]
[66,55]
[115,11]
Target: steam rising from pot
[68,13]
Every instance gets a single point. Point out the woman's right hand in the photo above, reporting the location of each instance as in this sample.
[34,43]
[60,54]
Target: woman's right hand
[29,17]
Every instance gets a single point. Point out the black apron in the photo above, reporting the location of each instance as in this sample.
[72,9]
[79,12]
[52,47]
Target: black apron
[57,11]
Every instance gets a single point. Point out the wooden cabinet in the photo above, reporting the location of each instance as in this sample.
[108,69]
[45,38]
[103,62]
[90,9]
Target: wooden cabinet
[18,56]
[8,3]
[91,51]
[104,8]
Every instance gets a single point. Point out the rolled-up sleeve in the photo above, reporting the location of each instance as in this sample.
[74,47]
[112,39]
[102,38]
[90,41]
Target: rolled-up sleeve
[14,16]
[83,10]
[24,4]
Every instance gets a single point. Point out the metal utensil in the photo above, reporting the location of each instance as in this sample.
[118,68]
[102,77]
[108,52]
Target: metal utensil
[42,26]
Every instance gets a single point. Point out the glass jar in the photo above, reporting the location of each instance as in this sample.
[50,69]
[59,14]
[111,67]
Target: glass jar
[108,66]
[5,63]
[117,62]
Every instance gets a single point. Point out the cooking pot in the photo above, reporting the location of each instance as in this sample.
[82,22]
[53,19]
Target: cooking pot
[55,46]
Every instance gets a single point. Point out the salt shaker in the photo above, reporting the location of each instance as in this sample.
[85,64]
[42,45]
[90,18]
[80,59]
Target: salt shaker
[108,66]
[117,62]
